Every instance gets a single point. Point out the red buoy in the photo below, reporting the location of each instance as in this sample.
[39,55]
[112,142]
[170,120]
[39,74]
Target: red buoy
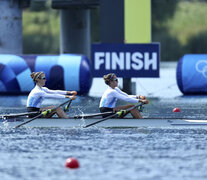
[176,110]
[72,163]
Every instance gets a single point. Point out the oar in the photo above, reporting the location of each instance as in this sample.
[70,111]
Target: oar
[117,114]
[44,113]
[66,108]
[17,114]
[92,115]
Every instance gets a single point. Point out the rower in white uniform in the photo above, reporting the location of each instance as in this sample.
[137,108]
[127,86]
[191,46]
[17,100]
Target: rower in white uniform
[39,93]
[113,93]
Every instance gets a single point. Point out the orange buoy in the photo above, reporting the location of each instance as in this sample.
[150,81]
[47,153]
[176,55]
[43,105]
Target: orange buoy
[72,163]
[176,110]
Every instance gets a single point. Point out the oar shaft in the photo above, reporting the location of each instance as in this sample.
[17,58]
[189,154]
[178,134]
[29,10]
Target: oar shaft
[18,114]
[42,114]
[113,115]
[38,116]
[68,105]
[92,115]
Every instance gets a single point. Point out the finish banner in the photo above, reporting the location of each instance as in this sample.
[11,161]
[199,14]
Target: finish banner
[126,60]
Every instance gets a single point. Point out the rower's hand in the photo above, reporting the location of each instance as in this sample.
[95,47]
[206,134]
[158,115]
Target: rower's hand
[145,101]
[74,93]
[141,97]
[71,97]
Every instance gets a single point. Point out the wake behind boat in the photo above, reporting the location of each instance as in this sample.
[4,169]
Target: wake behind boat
[110,123]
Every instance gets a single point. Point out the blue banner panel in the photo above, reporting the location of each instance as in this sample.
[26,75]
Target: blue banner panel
[64,72]
[126,60]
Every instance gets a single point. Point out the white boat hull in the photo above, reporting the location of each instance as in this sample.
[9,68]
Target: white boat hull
[110,123]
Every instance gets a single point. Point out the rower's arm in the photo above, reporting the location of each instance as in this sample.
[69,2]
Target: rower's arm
[50,95]
[124,97]
[55,91]
[121,92]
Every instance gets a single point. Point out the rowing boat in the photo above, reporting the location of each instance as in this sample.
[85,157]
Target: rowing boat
[89,120]
[109,123]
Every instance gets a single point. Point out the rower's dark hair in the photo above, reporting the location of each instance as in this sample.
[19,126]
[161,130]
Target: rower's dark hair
[108,77]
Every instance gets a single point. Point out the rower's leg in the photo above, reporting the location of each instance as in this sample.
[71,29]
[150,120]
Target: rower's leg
[134,112]
[118,108]
[61,113]
[50,114]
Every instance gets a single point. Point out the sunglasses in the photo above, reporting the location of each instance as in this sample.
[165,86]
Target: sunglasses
[42,77]
[115,79]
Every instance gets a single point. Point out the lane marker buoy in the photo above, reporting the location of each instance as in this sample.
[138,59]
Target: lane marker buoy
[176,109]
[72,163]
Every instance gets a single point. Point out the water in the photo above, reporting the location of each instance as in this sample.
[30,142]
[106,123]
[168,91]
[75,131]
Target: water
[124,154]
[104,154]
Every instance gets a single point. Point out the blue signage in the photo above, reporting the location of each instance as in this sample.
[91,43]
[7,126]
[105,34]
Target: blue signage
[126,60]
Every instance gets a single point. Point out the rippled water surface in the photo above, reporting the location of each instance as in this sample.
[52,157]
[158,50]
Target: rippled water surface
[104,153]
[124,154]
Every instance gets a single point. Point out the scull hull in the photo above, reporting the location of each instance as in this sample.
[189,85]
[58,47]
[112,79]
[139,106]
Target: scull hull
[110,123]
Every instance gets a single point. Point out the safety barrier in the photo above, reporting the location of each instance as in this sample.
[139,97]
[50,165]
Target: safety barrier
[65,71]
[192,74]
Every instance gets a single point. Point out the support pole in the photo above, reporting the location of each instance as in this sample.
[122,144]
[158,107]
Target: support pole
[112,28]
[75,31]
[11,27]
[127,86]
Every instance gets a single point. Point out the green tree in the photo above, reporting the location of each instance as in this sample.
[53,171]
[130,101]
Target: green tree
[41,29]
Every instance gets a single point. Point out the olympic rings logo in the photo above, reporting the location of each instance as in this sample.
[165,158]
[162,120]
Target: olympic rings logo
[201,67]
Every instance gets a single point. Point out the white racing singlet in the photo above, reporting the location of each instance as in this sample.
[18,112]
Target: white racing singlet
[37,95]
[111,96]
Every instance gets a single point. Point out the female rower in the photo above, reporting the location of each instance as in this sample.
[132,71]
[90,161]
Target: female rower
[39,92]
[110,96]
